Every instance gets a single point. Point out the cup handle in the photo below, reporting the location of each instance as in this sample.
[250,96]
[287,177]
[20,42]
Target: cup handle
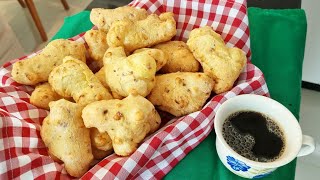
[308,146]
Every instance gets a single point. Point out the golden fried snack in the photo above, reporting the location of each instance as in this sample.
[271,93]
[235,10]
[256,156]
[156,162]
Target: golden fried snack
[42,95]
[66,137]
[74,79]
[221,63]
[97,42]
[144,33]
[101,144]
[37,69]
[181,93]
[101,75]
[103,18]
[116,95]
[100,154]
[99,140]
[54,158]
[127,121]
[132,74]
[159,56]
[180,57]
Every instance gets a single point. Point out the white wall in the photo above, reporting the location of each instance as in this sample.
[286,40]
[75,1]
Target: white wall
[311,66]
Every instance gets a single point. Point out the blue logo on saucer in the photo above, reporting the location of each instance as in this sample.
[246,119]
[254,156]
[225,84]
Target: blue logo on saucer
[261,175]
[237,165]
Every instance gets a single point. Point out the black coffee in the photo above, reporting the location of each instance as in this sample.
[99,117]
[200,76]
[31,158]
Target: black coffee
[254,136]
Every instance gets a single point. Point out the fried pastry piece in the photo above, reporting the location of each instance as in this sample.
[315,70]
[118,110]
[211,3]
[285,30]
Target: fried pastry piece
[181,93]
[116,95]
[221,63]
[180,57]
[132,74]
[144,33]
[42,95]
[101,144]
[159,56]
[127,121]
[100,154]
[103,18]
[101,75]
[99,140]
[97,42]
[74,79]
[37,69]
[66,137]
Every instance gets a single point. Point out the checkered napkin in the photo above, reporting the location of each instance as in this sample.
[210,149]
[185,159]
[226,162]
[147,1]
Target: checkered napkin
[23,154]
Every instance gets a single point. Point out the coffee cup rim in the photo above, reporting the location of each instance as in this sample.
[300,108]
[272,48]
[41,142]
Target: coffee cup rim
[270,102]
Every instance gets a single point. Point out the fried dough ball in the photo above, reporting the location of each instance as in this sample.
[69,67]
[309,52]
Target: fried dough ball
[132,74]
[66,137]
[37,69]
[99,140]
[221,63]
[74,79]
[159,56]
[134,35]
[181,93]
[42,95]
[103,18]
[180,57]
[101,144]
[97,42]
[126,121]
[101,75]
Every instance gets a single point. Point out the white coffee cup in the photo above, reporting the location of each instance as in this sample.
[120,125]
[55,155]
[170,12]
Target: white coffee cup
[294,139]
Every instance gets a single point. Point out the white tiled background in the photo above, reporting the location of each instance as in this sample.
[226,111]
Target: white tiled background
[52,14]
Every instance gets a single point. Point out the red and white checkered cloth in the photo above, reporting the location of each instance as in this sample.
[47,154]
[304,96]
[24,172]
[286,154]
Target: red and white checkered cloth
[23,154]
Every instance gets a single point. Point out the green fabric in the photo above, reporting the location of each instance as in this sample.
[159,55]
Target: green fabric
[277,44]
[74,25]
[278,37]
